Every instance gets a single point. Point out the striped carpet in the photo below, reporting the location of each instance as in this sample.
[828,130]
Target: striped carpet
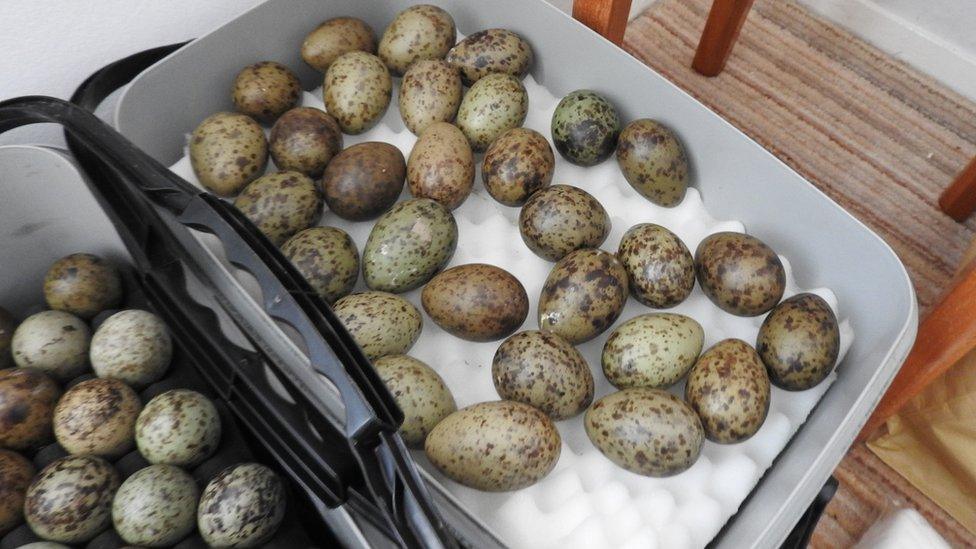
[878,137]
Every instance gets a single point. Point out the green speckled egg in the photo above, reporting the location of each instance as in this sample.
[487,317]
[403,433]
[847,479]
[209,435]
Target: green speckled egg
[646,431]
[561,219]
[420,392]
[54,342]
[179,427]
[583,295]
[228,151]
[416,33]
[739,273]
[304,140]
[517,164]
[495,446]
[70,501]
[83,285]
[543,370]
[357,91]
[27,401]
[327,258]
[799,342]
[729,389]
[408,245]
[492,106]
[241,507]
[97,417]
[364,180]
[653,161]
[381,323]
[281,204]
[335,37]
[133,346]
[265,90]
[156,506]
[477,302]
[441,165]
[430,92]
[585,127]
[660,268]
[652,350]
[491,51]
[16,473]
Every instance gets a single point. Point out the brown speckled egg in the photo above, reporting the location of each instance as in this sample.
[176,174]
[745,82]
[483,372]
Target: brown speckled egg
[228,151]
[517,164]
[799,342]
[7,326]
[477,302]
[335,37]
[265,90]
[646,431]
[739,273]
[281,204]
[381,323]
[304,140]
[71,499]
[27,401]
[364,180]
[430,92]
[83,285]
[15,475]
[54,342]
[561,219]
[653,161]
[156,506]
[660,268]
[408,245]
[420,392]
[543,370]
[133,346]
[491,51]
[495,446]
[416,33]
[357,91]
[97,417]
[729,389]
[441,165]
[241,507]
[492,106]
[583,295]
[652,350]
[179,427]
[584,128]
[327,258]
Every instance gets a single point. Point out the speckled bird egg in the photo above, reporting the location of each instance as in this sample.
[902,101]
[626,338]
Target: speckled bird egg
[491,51]
[227,151]
[653,161]
[27,401]
[97,417]
[357,90]
[517,164]
[416,33]
[560,219]
[16,473]
[441,165]
[70,501]
[659,266]
[83,285]
[380,322]
[430,92]
[419,391]
[739,273]
[133,346]
[799,342]
[364,180]
[335,37]
[304,140]
[584,127]
[54,342]
[179,427]
[477,302]
[327,258]
[156,506]
[265,90]
[652,350]
[281,204]
[241,507]
[492,106]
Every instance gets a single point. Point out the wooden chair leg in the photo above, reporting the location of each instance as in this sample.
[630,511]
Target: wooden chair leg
[945,336]
[721,30]
[959,199]
[607,17]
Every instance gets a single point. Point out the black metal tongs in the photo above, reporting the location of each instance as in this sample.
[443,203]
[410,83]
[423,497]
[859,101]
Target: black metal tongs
[363,463]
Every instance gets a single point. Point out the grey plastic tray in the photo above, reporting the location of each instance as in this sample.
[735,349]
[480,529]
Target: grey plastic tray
[737,178]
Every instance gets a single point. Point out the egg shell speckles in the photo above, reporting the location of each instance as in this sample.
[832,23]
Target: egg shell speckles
[228,151]
[357,91]
[495,446]
[281,204]
[408,245]
[517,164]
[70,501]
[364,180]
[476,302]
[178,427]
[583,295]
[729,389]
[335,37]
[739,273]
[7,326]
[543,370]
[441,165]
[327,258]
[646,431]
[492,106]
[133,346]
[156,506]
[653,350]
[54,342]
[584,128]
[416,33]
[241,507]
[27,401]
[491,51]
[660,268]
[15,475]
[97,417]
[83,285]
[562,219]
[420,392]
[799,342]
[653,161]
[304,140]
[380,322]
[265,90]
[429,92]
